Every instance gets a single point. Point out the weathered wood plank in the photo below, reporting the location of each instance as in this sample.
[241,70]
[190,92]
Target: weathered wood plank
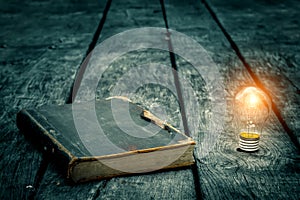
[267,35]
[42,44]
[122,16]
[165,185]
[126,15]
[273,172]
[55,186]
[226,173]
[162,185]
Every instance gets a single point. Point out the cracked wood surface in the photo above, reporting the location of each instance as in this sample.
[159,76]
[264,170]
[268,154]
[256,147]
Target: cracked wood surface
[227,173]
[266,36]
[42,44]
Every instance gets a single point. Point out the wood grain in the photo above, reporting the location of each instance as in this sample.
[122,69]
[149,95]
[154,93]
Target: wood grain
[42,44]
[226,173]
[122,16]
[166,185]
[162,185]
[266,35]
[55,186]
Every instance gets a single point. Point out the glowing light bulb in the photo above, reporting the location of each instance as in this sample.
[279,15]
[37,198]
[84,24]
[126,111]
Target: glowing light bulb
[253,100]
[252,108]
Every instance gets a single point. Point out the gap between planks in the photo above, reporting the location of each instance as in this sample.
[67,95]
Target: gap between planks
[79,75]
[181,100]
[45,160]
[256,80]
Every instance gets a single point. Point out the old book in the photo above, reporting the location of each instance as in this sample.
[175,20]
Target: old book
[105,138]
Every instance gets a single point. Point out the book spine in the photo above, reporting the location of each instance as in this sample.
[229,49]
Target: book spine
[37,130]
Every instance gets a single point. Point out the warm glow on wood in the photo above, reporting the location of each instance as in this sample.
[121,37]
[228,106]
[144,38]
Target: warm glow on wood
[252,108]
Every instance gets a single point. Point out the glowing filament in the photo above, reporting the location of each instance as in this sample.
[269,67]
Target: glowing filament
[252,107]
[253,100]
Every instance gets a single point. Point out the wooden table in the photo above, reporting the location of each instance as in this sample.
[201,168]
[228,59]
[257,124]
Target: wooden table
[43,42]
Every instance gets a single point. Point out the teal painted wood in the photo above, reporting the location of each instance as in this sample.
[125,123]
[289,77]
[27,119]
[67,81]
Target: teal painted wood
[122,16]
[39,70]
[226,173]
[42,44]
[165,185]
[266,35]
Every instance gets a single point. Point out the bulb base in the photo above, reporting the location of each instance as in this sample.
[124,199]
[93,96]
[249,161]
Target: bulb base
[249,142]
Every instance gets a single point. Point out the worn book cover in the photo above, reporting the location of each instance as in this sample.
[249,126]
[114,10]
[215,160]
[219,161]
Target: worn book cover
[106,138]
